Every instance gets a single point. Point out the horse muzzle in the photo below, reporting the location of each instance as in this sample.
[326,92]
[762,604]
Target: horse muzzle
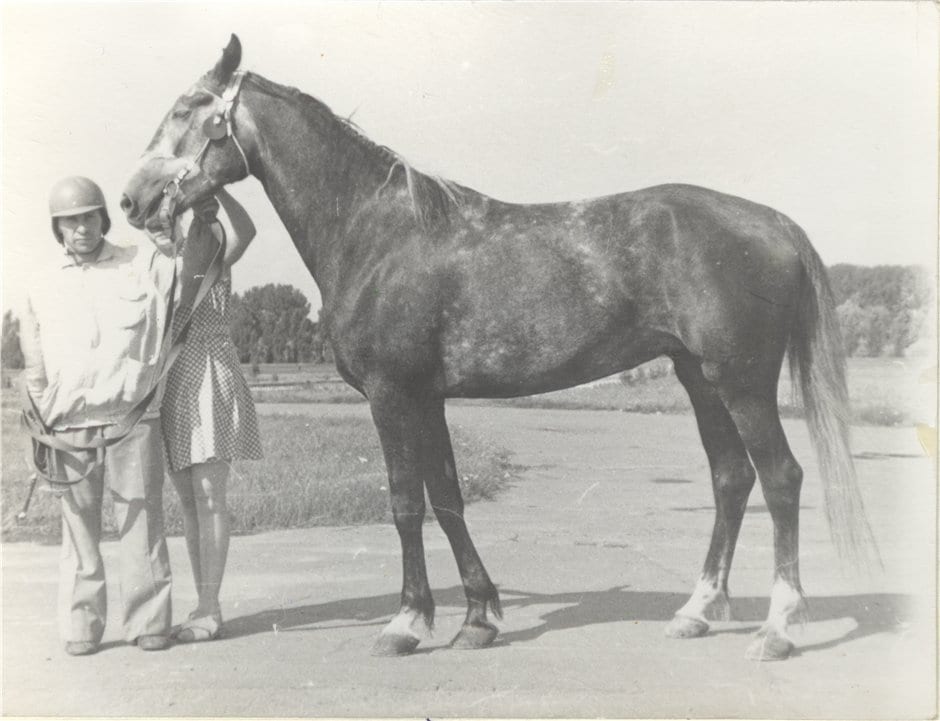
[146,192]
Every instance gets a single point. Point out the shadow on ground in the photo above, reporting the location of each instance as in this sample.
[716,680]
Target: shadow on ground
[873,613]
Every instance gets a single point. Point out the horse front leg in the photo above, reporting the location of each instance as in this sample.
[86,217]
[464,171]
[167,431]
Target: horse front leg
[401,421]
[447,502]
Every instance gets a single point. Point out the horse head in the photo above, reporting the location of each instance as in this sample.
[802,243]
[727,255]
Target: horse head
[195,150]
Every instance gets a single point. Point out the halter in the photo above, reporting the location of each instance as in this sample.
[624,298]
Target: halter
[228,98]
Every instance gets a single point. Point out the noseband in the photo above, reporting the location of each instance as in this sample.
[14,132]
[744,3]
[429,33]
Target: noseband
[214,130]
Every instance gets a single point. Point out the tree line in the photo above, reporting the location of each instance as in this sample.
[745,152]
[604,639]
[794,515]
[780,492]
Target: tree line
[271,324]
[882,311]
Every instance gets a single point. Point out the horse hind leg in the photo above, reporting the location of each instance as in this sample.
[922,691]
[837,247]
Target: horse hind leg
[757,417]
[447,502]
[733,478]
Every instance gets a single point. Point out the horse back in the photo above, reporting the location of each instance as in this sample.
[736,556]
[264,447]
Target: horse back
[510,299]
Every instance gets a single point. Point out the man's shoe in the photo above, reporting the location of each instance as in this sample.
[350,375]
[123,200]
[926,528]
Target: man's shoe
[155,642]
[81,648]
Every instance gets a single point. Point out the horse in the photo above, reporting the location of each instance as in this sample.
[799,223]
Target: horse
[432,290]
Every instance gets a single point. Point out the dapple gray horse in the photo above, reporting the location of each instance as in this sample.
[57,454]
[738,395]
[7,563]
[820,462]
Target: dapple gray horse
[432,290]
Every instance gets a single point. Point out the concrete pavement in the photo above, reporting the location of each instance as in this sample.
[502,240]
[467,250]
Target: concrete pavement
[593,548]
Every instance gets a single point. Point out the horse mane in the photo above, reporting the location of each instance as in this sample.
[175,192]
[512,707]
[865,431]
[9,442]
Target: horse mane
[435,201]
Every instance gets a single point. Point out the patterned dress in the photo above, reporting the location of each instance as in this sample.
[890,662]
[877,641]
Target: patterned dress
[207,410]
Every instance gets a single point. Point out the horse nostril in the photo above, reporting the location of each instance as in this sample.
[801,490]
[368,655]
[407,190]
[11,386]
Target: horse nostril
[127,205]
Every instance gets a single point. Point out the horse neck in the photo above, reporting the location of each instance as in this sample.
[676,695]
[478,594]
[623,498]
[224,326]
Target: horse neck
[316,175]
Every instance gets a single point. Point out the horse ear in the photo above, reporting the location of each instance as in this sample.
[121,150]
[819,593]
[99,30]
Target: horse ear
[228,63]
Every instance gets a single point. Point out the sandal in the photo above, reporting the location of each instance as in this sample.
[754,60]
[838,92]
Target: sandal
[175,630]
[201,628]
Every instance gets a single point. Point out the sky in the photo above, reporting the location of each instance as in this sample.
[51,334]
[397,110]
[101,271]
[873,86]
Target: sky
[824,111]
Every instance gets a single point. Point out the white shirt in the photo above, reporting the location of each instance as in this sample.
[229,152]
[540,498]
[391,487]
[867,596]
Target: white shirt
[91,334]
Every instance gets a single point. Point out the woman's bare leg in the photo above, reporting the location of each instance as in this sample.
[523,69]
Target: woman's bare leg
[183,482]
[209,481]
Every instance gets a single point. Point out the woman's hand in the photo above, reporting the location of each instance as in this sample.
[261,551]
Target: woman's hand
[206,209]
[161,237]
[239,230]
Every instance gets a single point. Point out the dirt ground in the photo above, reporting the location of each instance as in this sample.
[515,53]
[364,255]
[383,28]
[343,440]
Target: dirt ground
[593,549]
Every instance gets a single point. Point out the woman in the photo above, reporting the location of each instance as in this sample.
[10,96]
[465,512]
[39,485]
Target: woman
[208,421]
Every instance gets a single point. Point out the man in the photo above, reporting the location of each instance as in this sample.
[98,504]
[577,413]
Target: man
[91,335]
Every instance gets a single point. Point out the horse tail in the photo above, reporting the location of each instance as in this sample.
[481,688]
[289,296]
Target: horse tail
[818,370]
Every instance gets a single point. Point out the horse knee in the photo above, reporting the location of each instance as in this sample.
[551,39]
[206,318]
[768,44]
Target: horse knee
[783,484]
[793,472]
[448,506]
[734,479]
[408,512]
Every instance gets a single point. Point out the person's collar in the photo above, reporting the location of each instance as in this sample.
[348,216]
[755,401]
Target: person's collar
[106,252]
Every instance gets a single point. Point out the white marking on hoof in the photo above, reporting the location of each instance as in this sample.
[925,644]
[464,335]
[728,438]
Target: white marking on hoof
[401,635]
[772,642]
[407,623]
[707,601]
[785,602]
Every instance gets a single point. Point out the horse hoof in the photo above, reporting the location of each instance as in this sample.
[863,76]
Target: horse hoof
[394,645]
[475,636]
[686,627]
[769,646]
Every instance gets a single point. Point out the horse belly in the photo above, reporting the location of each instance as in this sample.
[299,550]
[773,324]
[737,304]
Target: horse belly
[557,343]
[504,376]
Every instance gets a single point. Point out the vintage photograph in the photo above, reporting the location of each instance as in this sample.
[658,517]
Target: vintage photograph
[469,359]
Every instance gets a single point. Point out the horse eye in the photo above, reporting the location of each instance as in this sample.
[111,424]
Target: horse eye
[182,113]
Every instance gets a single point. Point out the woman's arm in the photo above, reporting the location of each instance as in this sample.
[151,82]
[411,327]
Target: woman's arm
[239,230]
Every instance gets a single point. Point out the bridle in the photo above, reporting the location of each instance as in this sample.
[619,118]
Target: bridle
[216,127]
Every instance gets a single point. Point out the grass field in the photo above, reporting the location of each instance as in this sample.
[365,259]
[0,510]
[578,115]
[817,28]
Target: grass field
[883,391]
[316,471]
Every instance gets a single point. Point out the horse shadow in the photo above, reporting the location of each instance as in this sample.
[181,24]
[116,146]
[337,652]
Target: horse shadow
[872,613]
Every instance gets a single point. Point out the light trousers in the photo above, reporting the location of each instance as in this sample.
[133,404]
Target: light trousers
[133,470]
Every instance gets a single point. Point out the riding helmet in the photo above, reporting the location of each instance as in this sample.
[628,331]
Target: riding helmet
[76,195]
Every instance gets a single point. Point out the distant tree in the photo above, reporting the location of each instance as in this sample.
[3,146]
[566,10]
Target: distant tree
[879,329]
[881,308]
[905,330]
[11,354]
[853,323]
[844,280]
[323,350]
[270,324]
[242,327]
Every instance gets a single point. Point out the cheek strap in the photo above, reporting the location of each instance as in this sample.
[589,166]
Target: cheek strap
[172,190]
